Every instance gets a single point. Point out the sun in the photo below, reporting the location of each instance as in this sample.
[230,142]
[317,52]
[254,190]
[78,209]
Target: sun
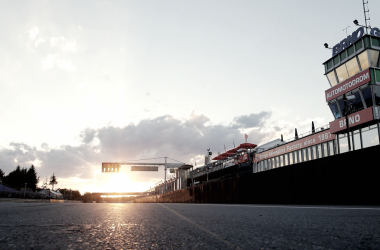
[122,182]
[118,182]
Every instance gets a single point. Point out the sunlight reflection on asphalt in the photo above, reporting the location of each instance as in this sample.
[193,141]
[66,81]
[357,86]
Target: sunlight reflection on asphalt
[190,226]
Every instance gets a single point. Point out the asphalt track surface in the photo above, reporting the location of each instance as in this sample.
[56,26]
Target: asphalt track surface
[188,226]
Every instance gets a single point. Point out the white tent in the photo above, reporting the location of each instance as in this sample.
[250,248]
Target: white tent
[51,194]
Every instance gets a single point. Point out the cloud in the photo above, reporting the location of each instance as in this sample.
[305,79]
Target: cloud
[185,140]
[51,59]
[277,128]
[39,41]
[252,120]
[33,32]
[87,135]
[45,147]
[66,65]
[62,44]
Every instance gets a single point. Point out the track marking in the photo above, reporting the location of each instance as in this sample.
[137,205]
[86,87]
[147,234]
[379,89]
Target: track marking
[282,206]
[201,228]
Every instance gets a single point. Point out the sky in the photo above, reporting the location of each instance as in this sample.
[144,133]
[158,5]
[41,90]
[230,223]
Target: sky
[86,82]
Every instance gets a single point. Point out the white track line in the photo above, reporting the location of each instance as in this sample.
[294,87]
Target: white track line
[201,228]
[280,206]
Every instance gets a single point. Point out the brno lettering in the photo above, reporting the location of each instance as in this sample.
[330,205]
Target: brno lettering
[375,32]
[351,120]
[357,118]
[341,123]
[356,35]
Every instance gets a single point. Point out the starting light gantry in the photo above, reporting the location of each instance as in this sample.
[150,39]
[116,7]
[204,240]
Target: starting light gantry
[114,167]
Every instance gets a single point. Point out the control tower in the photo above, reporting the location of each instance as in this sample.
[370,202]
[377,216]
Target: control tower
[353,73]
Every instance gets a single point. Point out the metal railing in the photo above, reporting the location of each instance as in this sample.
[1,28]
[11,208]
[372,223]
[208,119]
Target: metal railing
[319,129]
[215,166]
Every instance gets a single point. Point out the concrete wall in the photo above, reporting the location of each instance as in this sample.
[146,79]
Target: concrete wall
[347,179]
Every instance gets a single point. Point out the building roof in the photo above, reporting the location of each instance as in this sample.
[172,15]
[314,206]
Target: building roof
[233,151]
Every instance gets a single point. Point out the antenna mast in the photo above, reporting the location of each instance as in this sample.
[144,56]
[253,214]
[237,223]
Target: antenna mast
[345,29]
[366,16]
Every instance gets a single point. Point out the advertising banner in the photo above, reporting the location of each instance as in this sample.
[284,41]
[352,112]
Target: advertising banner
[305,142]
[354,119]
[348,85]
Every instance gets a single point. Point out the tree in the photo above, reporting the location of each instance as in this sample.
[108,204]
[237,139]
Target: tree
[67,192]
[31,178]
[16,178]
[53,181]
[87,197]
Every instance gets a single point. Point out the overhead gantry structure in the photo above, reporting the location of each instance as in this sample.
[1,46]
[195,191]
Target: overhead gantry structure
[114,167]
